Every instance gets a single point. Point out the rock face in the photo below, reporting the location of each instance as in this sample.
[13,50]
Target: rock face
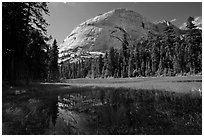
[99,33]
[162,25]
[104,31]
[197,21]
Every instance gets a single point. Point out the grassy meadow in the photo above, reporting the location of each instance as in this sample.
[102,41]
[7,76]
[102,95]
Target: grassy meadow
[176,84]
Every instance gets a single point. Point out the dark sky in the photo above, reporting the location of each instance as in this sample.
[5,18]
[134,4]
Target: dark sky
[64,17]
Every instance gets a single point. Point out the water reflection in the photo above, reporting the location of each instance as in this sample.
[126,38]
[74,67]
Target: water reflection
[102,111]
[85,113]
[96,112]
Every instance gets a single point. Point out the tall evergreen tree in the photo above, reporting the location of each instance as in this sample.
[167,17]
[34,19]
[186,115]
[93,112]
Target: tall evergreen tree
[54,70]
[100,64]
[20,20]
[111,61]
[193,39]
[131,64]
[137,60]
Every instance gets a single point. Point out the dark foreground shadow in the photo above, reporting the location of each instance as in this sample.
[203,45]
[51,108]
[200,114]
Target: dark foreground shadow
[62,109]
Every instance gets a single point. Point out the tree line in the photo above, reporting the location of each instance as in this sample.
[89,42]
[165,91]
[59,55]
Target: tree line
[166,54]
[27,51]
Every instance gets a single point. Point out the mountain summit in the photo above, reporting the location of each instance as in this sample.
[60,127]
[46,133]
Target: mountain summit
[100,33]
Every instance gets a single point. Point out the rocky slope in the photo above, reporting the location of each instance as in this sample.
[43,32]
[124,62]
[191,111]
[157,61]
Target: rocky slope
[197,21]
[162,25]
[98,34]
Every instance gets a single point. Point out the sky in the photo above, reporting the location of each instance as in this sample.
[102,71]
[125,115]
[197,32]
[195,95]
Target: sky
[64,17]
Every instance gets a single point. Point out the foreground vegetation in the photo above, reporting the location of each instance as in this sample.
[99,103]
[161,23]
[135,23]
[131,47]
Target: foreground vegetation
[58,109]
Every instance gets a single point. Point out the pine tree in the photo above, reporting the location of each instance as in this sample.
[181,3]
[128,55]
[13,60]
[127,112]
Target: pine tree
[120,63]
[137,61]
[162,59]
[37,56]
[154,58]
[83,75]
[177,58]
[125,58]
[106,66]
[111,61]
[100,64]
[20,20]
[170,37]
[54,70]
[193,39]
[125,54]
[93,69]
[148,68]
[143,67]
[130,65]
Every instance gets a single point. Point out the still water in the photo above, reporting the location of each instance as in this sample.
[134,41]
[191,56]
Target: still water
[96,111]
[92,112]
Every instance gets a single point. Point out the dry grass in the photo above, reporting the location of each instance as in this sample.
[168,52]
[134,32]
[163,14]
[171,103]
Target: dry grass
[177,84]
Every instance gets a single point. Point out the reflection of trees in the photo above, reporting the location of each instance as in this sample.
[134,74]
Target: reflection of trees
[53,109]
[102,96]
[110,111]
